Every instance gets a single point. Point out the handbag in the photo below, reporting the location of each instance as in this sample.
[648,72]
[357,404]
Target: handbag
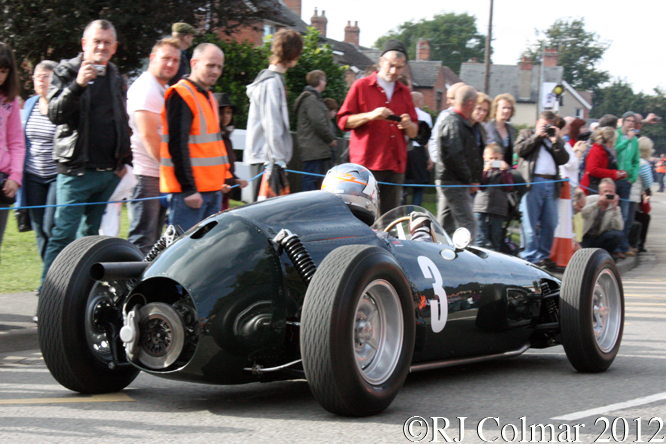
[23,220]
[3,197]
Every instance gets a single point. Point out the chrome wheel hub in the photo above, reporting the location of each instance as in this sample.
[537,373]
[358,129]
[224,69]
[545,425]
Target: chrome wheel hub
[378,332]
[606,311]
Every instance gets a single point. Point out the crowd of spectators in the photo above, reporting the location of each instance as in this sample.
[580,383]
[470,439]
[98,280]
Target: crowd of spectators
[81,130]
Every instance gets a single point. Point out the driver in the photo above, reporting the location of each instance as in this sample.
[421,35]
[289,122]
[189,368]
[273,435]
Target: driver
[357,187]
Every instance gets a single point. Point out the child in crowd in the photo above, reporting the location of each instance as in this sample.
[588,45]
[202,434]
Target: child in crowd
[491,205]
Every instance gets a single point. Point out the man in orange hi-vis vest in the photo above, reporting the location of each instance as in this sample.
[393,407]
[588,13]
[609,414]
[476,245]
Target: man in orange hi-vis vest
[194,164]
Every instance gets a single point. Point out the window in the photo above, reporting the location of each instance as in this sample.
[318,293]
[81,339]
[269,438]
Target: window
[580,113]
[269,29]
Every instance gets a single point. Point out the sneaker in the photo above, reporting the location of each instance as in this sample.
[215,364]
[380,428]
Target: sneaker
[619,255]
[35,319]
[418,220]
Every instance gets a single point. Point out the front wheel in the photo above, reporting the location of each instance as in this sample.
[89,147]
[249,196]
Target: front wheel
[591,310]
[71,330]
[357,331]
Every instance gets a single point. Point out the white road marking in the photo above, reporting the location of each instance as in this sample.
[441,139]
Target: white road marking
[609,408]
[110,397]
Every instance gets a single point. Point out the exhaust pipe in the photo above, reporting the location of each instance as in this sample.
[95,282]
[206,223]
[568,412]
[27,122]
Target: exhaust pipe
[105,271]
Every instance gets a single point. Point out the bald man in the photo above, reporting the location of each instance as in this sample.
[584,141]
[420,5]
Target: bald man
[433,144]
[458,163]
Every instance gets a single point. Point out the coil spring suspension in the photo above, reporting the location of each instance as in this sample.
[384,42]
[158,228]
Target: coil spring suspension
[552,309]
[297,253]
[170,235]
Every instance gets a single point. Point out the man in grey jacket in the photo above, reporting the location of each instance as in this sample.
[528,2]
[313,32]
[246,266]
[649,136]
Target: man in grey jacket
[268,143]
[314,131]
[541,152]
[602,218]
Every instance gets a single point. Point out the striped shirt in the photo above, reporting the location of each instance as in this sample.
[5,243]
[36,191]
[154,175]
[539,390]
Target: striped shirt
[40,132]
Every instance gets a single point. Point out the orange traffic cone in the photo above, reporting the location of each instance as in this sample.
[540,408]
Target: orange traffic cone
[563,243]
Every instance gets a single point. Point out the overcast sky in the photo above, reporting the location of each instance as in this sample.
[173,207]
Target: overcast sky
[637,52]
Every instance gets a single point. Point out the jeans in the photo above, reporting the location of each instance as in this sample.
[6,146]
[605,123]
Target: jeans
[489,230]
[458,211]
[628,222]
[3,220]
[40,191]
[147,217]
[608,240]
[660,181]
[72,222]
[417,195]
[623,189]
[539,219]
[321,166]
[186,217]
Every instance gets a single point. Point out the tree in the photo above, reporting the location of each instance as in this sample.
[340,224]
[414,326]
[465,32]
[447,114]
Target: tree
[52,29]
[579,52]
[453,38]
[619,97]
[315,56]
[243,61]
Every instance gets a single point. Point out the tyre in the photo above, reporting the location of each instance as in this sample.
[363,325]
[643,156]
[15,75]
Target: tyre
[357,331]
[74,344]
[591,310]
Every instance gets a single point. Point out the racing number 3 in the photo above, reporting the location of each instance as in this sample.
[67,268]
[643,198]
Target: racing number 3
[430,271]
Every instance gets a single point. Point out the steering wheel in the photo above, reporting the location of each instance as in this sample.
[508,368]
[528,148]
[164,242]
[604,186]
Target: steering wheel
[399,220]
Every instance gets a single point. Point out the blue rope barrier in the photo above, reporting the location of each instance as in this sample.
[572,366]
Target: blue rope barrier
[104,203]
[306,174]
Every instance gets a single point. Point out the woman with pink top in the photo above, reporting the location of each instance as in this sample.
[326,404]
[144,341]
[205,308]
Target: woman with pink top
[12,143]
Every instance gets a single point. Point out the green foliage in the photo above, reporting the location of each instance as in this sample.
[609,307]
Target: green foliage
[315,56]
[52,29]
[432,113]
[579,52]
[243,61]
[453,38]
[619,97]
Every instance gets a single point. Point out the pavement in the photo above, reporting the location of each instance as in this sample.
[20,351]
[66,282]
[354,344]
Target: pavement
[18,332]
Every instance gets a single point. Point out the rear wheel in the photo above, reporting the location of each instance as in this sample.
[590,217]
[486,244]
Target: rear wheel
[72,312]
[591,310]
[357,331]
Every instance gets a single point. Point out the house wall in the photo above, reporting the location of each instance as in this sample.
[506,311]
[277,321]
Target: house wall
[430,93]
[525,114]
[570,105]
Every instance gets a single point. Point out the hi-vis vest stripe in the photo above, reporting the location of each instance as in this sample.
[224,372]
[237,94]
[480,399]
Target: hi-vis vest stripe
[208,155]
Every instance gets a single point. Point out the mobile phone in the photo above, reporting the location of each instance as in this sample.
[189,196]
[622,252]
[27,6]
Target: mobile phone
[101,69]
[394,118]
[495,164]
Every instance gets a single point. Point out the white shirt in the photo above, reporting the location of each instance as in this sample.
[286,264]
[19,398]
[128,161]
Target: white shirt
[425,117]
[145,94]
[570,169]
[545,163]
[389,87]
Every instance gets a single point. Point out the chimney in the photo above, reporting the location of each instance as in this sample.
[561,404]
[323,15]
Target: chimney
[352,34]
[319,22]
[525,88]
[423,50]
[294,5]
[550,57]
[526,64]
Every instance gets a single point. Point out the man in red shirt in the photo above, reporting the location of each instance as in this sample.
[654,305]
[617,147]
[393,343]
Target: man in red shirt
[378,142]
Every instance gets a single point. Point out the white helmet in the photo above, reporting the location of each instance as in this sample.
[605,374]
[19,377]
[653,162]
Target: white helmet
[357,187]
